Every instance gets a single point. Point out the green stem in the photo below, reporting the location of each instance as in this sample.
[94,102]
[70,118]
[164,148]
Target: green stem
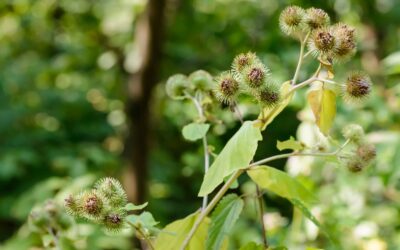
[296,73]
[261,210]
[205,144]
[142,236]
[210,207]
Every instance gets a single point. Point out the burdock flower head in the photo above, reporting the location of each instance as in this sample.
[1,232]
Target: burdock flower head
[227,88]
[345,46]
[255,75]
[291,19]
[358,86]
[322,42]
[268,95]
[242,61]
[315,19]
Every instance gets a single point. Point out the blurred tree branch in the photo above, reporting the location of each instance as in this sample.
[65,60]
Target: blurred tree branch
[149,36]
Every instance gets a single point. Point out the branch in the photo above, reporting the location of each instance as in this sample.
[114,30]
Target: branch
[296,73]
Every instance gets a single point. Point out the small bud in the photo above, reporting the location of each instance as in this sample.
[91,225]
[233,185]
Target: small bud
[322,42]
[358,86]
[268,95]
[91,204]
[51,208]
[345,46]
[316,19]
[176,86]
[242,61]
[201,80]
[355,165]
[291,19]
[113,221]
[367,152]
[111,189]
[254,76]
[226,88]
[72,206]
[353,132]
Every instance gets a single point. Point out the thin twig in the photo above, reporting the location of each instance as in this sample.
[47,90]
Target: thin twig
[56,241]
[296,73]
[205,144]
[261,210]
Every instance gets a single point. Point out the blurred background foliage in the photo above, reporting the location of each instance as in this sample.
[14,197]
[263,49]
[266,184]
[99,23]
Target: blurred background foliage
[64,69]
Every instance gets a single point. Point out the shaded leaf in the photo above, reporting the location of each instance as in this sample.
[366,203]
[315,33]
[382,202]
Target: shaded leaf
[290,144]
[173,235]
[132,207]
[268,114]
[323,105]
[195,131]
[223,219]
[280,183]
[236,154]
[306,212]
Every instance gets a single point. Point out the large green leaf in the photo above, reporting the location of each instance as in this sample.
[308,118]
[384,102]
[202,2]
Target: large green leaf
[222,220]
[195,131]
[280,183]
[323,105]
[236,154]
[173,235]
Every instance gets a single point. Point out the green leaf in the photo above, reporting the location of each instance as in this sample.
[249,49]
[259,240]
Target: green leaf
[268,114]
[278,248]
[313,248]
[290,144]
[195,131]
[306,212]
[236,154]
[145,219]
[173,235]
[280,183]
[252,246]
[222,220]
[132,207]
[323,105]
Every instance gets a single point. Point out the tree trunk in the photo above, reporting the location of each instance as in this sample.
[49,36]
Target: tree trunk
[149,37]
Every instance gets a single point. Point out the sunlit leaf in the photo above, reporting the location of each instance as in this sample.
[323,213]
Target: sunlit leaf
[145,219]
[290,144]
[252,246]
[269,113]
[223,219]
[174,234]
[323,105]
[195,131]
[236,154]
[280,183]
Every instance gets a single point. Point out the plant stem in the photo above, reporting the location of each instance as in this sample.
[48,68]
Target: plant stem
[54,235]
[296,73]
[142,236]
[261,210]
[205,144]
[210,206]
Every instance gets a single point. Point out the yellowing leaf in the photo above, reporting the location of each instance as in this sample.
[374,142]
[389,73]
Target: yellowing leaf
[268,114]
[236,154]
[195,131]
[289,144]
[323,105]
[173,235]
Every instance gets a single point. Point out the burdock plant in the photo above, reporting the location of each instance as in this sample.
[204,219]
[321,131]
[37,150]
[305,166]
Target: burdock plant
[328,44]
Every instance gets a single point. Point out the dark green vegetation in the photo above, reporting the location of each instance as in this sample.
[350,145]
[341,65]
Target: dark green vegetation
[65,68]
